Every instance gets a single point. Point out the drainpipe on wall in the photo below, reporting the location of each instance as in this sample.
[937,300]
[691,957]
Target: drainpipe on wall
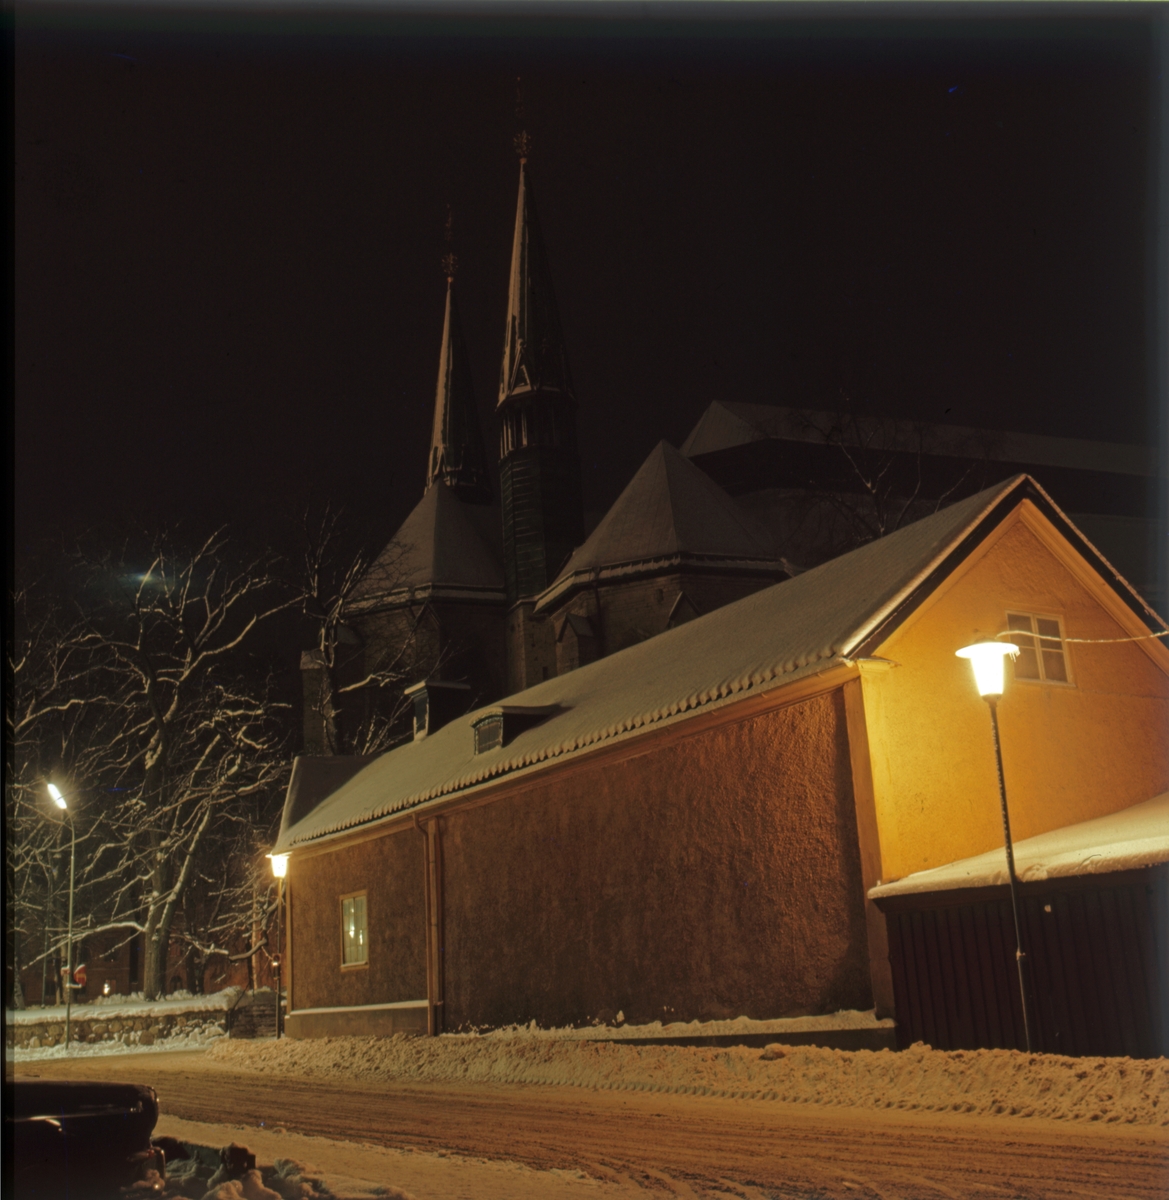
[433,894]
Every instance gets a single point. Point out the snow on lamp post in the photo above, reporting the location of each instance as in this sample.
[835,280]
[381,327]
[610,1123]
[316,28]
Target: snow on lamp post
[59,800]
[279,870]
[988,659]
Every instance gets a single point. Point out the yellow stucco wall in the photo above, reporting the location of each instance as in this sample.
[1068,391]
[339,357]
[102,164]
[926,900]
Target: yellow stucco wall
[1070,753]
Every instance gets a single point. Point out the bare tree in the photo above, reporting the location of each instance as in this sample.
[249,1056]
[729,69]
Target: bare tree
[869,476]
[175,727]
[47,734]
[353,692]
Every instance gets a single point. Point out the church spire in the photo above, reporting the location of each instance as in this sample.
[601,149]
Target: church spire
[457,458]
[533,349]
[539,464]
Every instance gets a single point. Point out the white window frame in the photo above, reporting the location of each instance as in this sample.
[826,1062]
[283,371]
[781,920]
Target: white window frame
[364,939]
[1037,637]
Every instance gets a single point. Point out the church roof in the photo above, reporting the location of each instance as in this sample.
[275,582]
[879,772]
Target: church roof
[825,617]
[533,349]
[457,457]
[444,549]
[727,423]
[669,513]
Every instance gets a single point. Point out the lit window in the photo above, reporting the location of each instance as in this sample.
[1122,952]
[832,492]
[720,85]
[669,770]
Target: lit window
[354,942]
[1041,648]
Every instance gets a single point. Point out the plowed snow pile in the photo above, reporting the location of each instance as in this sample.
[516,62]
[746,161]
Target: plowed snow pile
[982,1082]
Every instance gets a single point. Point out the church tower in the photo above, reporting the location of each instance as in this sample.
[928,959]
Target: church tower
[432,605]
[539,468]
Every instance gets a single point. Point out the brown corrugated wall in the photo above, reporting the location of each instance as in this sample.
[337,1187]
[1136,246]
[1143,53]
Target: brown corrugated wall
[1097,966]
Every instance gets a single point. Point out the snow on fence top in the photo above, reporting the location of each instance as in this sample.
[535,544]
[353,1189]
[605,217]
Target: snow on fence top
[108,1007]
[1134,837]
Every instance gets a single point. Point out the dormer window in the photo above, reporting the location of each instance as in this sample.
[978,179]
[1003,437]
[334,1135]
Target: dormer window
[437,703]
[500,725]
[1042,655]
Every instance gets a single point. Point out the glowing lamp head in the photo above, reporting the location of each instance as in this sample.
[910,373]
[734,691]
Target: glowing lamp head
[987,660]
[279,865]
[55,795]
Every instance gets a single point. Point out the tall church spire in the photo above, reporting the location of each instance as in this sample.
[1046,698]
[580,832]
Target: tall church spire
[457,457]
[533,349]
[539,469]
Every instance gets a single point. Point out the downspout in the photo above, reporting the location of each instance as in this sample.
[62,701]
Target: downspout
[433,895]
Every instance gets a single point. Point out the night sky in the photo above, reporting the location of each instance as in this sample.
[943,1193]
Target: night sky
[228,231]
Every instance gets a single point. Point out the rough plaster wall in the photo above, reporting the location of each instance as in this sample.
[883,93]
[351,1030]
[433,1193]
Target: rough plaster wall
[391,871]
[713,877]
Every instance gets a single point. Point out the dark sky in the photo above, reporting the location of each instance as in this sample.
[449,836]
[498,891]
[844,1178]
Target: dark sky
[228,229]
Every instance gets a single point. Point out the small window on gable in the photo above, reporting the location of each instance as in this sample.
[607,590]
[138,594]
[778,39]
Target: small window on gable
[1042,655]
[354,935]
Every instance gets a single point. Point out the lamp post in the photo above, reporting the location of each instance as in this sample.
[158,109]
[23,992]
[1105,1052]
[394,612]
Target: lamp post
[279,870]
[988,659]
[59,800]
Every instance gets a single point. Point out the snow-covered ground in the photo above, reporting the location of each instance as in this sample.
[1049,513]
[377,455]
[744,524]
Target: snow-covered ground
[979,1082]
[314,1168]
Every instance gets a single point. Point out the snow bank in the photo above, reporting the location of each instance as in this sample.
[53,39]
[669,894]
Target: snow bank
[845,1019]
[1122,841]
[980,1082]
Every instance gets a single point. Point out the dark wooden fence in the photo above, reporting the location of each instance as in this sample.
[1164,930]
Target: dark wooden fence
[1097,965]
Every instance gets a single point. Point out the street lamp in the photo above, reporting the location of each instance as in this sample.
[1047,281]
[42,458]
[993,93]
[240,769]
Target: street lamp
[59,800]
[988,659]
[279,870]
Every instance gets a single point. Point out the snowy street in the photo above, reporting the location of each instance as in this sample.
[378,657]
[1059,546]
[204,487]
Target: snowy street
[442,1141]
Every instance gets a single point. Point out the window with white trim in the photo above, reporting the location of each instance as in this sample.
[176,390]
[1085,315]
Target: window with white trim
[354,936]
[1042,655]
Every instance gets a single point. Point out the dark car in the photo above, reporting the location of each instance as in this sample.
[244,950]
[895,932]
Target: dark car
[77,1140]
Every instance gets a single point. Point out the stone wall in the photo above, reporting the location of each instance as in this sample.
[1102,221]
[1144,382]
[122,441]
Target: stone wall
[90,1027]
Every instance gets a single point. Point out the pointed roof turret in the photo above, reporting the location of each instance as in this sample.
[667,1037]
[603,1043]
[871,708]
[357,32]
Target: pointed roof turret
[457,457]
[533,348]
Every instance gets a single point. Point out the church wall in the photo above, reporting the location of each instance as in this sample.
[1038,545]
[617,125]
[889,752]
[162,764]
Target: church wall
[464,641]
[636,610]
[531,648]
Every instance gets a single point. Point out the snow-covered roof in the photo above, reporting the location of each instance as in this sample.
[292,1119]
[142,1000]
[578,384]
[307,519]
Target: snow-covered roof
[727,423]
[444,546]
[670,513]
[1134,837]
[766,640]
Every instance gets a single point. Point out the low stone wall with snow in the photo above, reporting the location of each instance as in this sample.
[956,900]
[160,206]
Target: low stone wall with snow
[130,1021]
[90,1026]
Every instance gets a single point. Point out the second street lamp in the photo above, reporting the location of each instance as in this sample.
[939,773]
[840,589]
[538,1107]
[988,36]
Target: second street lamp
[279,870]
[59,800]
[988,660]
